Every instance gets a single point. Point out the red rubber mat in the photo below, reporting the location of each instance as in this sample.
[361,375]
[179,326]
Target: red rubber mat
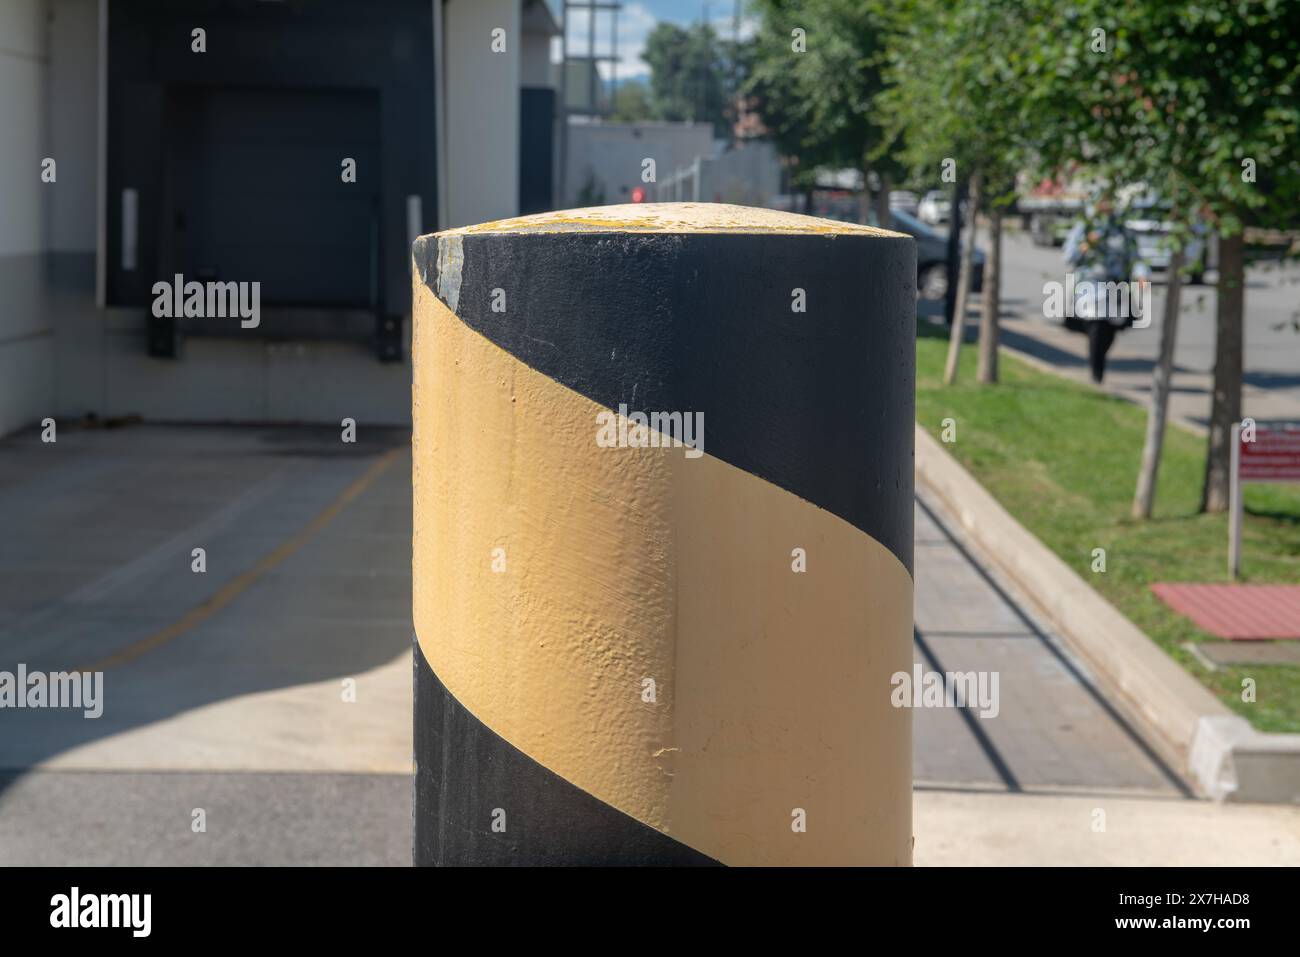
[1237,612]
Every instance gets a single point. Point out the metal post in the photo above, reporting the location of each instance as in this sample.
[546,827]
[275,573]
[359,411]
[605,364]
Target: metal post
[591,52]
[662,555]
[561,193]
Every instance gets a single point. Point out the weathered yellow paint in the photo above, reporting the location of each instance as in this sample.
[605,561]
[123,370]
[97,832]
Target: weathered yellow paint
[624,564]
[671,218]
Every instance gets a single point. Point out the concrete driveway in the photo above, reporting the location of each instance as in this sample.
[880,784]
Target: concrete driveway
[268,699]
[271,692]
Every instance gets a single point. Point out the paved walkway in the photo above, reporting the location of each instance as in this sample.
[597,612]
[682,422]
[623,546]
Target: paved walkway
[1054,731]
[226,689]
[1058,777]
[991,829]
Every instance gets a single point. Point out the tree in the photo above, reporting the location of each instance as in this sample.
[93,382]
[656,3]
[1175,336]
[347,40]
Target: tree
[1201,100]
[958,329]
[689,67]
[631,103]
[817,67]
[773,94]
[962,109]
[1243,64]
[1127,128]
[1144,496]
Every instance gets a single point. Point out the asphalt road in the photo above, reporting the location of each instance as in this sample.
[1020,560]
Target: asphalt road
[1272,344]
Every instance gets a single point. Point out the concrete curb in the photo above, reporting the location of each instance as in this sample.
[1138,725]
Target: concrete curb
[1220,752]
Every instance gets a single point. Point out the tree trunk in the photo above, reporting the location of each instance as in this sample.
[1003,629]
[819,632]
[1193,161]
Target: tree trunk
[963,282]
[1144,498]
[864,202]
[954,251]
[987,368]
[883,219]
[1228,347]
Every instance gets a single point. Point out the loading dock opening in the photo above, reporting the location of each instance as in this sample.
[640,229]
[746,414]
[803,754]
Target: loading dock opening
[228,165]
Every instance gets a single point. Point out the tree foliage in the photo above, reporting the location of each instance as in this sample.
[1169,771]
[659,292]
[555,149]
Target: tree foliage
[956,90]
[1197,99]
[689,74]
[817,73]
[630,103]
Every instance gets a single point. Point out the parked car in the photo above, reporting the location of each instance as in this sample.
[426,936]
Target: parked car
[1050,226]
[931,256]
[935,208]
[904,200]
[1145,219]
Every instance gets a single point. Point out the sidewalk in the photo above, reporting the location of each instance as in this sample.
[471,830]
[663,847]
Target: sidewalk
[1054,730]
[968,828]
[1025,788]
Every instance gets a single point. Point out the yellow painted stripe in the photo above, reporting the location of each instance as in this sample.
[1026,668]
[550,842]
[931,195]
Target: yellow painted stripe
[240,583]
[621,565]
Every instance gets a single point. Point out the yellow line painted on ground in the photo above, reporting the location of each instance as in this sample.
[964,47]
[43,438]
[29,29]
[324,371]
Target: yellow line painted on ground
[236,586]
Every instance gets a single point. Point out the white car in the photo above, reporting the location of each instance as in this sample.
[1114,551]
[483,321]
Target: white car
[1151,232]
[1144,214]
[902,199]
[935,208]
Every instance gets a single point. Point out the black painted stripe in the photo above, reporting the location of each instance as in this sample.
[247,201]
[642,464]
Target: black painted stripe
[464,771]
[820,403]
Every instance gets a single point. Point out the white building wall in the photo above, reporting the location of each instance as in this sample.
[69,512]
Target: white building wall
[74,123]
[482,98]
[26,339]
[94,359]
[611,154]
[62,356]
[748,176]
[79,328]
[535,65]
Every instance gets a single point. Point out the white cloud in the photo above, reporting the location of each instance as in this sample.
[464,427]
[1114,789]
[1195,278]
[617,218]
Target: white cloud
[748,27]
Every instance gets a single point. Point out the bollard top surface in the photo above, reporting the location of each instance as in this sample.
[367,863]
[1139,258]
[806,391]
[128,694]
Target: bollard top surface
[672,218]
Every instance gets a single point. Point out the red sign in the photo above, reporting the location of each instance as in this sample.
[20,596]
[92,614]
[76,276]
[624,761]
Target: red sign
[1274,456]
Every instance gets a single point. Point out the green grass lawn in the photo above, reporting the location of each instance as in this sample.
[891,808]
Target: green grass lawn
[1063,459]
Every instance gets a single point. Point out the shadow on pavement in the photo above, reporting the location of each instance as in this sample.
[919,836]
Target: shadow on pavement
[307,551]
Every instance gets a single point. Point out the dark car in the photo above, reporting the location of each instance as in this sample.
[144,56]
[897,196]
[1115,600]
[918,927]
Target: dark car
[931,256]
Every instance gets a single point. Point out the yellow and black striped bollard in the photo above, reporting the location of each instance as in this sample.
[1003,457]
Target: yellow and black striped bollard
[663,539]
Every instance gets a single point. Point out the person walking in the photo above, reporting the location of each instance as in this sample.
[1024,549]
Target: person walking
[1102,250]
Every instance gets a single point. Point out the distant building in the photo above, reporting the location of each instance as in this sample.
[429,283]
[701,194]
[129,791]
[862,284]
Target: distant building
[608,160]
[213,139]
[748,175]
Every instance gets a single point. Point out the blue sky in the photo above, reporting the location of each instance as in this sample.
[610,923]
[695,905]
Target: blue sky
[637,19]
